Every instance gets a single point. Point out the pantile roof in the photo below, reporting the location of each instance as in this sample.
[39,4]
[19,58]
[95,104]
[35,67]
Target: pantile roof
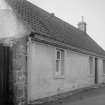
[53,27]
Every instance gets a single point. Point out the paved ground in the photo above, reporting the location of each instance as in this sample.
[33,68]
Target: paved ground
[89,97]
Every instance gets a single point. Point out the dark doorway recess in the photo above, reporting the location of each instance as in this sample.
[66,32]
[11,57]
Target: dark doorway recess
[96,70]
[6,92]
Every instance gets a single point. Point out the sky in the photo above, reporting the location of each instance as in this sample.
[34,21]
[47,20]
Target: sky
[72,10]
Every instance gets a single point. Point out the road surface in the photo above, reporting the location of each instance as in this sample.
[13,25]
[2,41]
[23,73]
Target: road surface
[90,97]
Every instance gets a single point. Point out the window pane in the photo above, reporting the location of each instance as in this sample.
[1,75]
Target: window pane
[60,62]
[62,67]
[62,55]
[58,54]
[57,65]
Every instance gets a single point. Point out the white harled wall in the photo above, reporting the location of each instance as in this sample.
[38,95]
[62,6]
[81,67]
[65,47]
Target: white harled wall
[77,70]
[41,68]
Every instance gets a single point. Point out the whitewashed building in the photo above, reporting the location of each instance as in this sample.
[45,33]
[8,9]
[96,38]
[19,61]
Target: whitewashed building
[44,56]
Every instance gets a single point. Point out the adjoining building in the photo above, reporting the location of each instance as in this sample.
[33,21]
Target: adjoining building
[42,56]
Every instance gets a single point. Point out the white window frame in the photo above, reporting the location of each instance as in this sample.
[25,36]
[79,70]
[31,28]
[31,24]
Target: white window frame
[59,72]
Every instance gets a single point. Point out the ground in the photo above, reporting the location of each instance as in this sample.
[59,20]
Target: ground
[94,96]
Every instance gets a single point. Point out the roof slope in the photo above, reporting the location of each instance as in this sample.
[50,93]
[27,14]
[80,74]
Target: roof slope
[54,27]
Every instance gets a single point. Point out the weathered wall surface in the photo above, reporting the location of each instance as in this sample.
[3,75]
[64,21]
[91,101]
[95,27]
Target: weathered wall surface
[100,71]
[12,30]
[41,71]
[19,71]
[77,71]
[41,67]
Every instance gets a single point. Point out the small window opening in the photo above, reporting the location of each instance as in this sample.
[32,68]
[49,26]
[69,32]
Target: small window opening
[60,62]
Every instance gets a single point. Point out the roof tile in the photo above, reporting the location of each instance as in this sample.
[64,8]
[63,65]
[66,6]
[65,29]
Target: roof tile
[54,27]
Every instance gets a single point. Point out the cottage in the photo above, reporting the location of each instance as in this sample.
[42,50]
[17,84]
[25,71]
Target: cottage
[42,56]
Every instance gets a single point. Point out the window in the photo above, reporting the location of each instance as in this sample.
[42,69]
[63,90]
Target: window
[59,62]
[91,64]
[104,66]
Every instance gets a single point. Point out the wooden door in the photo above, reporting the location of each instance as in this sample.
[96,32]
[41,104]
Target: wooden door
[4,75]
[96,70]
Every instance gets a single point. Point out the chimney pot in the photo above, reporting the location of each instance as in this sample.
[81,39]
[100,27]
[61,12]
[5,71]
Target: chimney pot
[82,25]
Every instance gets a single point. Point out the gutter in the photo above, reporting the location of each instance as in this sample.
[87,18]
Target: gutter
[36,36]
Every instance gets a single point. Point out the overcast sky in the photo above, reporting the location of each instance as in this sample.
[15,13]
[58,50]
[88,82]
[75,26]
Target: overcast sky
[72,10]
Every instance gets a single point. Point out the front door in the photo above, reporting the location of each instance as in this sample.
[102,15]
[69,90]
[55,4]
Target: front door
[96,70]
[5,66]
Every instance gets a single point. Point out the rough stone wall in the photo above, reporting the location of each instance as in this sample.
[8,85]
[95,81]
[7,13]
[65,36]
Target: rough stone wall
[19,71]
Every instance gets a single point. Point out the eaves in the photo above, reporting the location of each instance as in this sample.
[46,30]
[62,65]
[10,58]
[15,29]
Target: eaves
[36,36]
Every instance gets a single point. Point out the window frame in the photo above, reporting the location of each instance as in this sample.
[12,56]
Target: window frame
[59,69]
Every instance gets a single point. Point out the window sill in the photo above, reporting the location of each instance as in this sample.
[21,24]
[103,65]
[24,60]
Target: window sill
[59,77]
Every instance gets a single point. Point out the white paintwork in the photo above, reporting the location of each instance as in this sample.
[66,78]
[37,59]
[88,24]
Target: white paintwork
[41,82]
[77,70]
[41,68]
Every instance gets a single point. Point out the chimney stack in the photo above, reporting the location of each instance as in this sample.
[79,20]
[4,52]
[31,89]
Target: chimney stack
[82,25]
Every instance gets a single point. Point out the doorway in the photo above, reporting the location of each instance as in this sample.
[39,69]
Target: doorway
[5,69]
[96,71]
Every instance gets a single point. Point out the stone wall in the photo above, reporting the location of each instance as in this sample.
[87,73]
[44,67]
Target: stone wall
[19,71]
